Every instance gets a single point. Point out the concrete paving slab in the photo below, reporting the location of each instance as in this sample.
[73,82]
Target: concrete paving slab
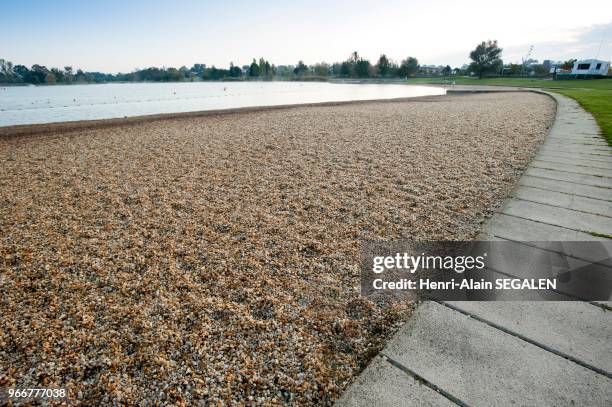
[571,168]
[484,366]
[590,157]
[383,384]
[589,277]
[580,221]
[580,330]
[564,200]
[559,135]
[519,229]
[570,177]
[575,161]
[575,148]
[567,187]
[550,141]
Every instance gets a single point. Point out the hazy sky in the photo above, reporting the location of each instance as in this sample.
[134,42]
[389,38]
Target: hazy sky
[117,36]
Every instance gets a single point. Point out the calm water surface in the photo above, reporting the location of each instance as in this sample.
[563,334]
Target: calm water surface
[47,104]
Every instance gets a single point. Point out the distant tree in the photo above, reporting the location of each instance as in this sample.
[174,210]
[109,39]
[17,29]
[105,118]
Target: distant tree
[383,66]
[363,68]
[6,71]
[38,73]
[58,74]
[50,78]
[514,69]
[301,69]
[336,68]
[267,70]
[540,69]
[198,68]
[262,67]
[234,71]
[321,69]
[172,75]
[486,58]
[284,71]
[568,65]
[22,71]
[254,69]
[408,67]
[68,74]
[346,69]
[81,77]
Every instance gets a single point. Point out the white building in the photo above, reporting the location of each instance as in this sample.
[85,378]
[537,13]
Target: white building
[591,67]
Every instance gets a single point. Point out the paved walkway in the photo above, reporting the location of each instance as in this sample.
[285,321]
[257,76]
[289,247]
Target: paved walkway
[515,353]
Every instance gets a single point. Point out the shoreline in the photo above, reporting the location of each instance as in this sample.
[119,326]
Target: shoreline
[40,129]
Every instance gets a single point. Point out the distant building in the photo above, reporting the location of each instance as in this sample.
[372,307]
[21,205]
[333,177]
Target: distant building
[591,67]
[431,69]
[553,67]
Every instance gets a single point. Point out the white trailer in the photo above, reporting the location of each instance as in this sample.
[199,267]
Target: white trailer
[591,67]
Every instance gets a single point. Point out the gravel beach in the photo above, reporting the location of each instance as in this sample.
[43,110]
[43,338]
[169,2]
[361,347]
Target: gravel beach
[215,259]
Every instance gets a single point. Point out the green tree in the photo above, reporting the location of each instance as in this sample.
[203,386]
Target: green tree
[22,72]
[514,69]
[321,69]
[568,65]
[383,66]
[346,69]
[6,71]
[234,71]
[363,68]
[50,78]
[254,69]
[408,67]
[301,69]
[446,71]
[68,74]
[38,73]
[486,58]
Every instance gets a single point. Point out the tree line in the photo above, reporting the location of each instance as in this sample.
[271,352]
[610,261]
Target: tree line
[354,67]
[485,60]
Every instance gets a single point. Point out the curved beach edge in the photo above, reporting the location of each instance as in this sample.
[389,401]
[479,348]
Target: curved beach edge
[78,125]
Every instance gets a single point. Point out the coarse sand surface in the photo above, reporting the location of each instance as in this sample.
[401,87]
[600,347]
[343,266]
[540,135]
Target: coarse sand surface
[216,258]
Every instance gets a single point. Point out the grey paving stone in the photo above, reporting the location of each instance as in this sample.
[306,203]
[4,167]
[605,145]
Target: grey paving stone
[589,277]
[571,168]
[566,187]
[598,152]
[577,140]
[580,149]
[589,157]
[518,229]
[484,366]
[382,384]
[565,200]
[570,177]
[581,162]
[580,330]
[567,218]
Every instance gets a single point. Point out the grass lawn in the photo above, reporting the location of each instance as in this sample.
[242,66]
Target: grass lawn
[595,95]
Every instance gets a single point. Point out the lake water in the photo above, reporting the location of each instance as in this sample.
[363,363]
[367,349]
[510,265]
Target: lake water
[47,104]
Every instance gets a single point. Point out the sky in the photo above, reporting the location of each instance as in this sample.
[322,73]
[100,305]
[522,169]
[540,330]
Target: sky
[120,36]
